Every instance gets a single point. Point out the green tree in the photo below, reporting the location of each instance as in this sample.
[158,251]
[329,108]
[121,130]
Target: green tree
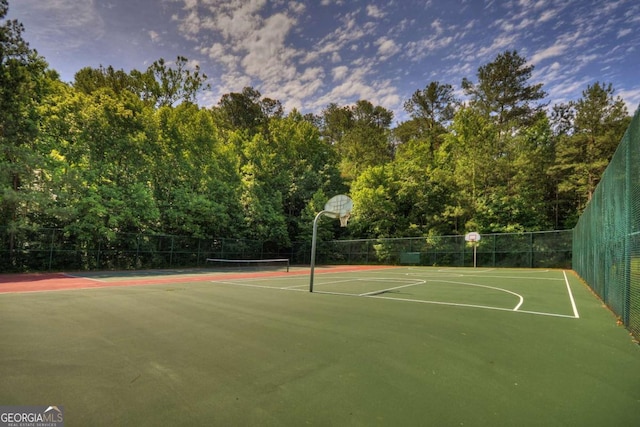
[310,162]
[103,149]
[261,199]
[23,84]
[471,151]
[375,212]
[195,175]
[425,186]
[88,79]
[360,134]
[174,84]
[431,111]
[588,133]
[161,84]
[504,93]
[434,106]
[516,199]
[247,110]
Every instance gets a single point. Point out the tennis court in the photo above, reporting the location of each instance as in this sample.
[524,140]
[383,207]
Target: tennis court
[370,346]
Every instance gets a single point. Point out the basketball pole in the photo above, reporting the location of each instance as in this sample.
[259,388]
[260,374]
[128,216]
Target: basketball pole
[475,246]
[313,247]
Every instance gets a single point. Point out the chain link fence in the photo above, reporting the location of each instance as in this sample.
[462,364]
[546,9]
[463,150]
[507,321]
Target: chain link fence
[606,243]
[549,249]
[54,250]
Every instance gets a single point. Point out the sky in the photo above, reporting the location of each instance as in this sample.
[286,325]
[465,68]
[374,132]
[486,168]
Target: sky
[308,54]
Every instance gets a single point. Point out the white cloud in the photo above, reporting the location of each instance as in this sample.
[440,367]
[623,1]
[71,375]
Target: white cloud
[267,56]
[219,53]
[339,73]
[568,87]
[288,53]
[550,52]
[417,50]
[235,23]
[349,32]
[252,46]
[375,12]
[624,32]
[77,22]
[312,73]
[437,26]
[297,8]
[548,15]
[631,98]
[500,43]
[386,48]
[154,36]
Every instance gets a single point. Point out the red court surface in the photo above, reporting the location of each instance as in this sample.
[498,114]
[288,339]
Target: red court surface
[43,282]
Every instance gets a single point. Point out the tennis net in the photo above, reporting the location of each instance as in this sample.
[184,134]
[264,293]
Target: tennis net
[248,264]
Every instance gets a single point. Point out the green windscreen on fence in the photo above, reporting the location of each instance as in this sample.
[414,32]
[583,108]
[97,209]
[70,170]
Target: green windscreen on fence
[606,240]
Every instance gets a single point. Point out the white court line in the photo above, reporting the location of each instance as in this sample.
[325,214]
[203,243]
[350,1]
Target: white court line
[461,269]
[484,307]
[376,294]
[483,276]
[520,298]
[573,302]
[306,285]
[74,276]
[248,285]
[514,277]
[421,282]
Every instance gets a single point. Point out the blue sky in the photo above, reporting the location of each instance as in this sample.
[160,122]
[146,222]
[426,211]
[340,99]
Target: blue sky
[308,54]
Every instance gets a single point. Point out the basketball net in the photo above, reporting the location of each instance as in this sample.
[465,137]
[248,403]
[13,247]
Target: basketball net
[344,219]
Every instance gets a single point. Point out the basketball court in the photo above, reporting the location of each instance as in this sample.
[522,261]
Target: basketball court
[369,346]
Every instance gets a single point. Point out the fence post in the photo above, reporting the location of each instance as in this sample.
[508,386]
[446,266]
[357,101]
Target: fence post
[137,250]
[53,234]
[98,258]
[494,249]
[171,253]
[530,250]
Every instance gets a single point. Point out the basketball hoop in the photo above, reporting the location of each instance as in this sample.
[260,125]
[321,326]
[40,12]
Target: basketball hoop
[337,207]
[473,238]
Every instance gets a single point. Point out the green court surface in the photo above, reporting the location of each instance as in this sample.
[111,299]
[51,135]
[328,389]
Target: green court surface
[388,347]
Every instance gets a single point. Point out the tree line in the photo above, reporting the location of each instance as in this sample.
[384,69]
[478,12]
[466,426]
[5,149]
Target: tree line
[117,151]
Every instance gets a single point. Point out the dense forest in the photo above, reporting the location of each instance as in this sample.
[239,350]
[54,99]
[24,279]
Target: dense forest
[117,151]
